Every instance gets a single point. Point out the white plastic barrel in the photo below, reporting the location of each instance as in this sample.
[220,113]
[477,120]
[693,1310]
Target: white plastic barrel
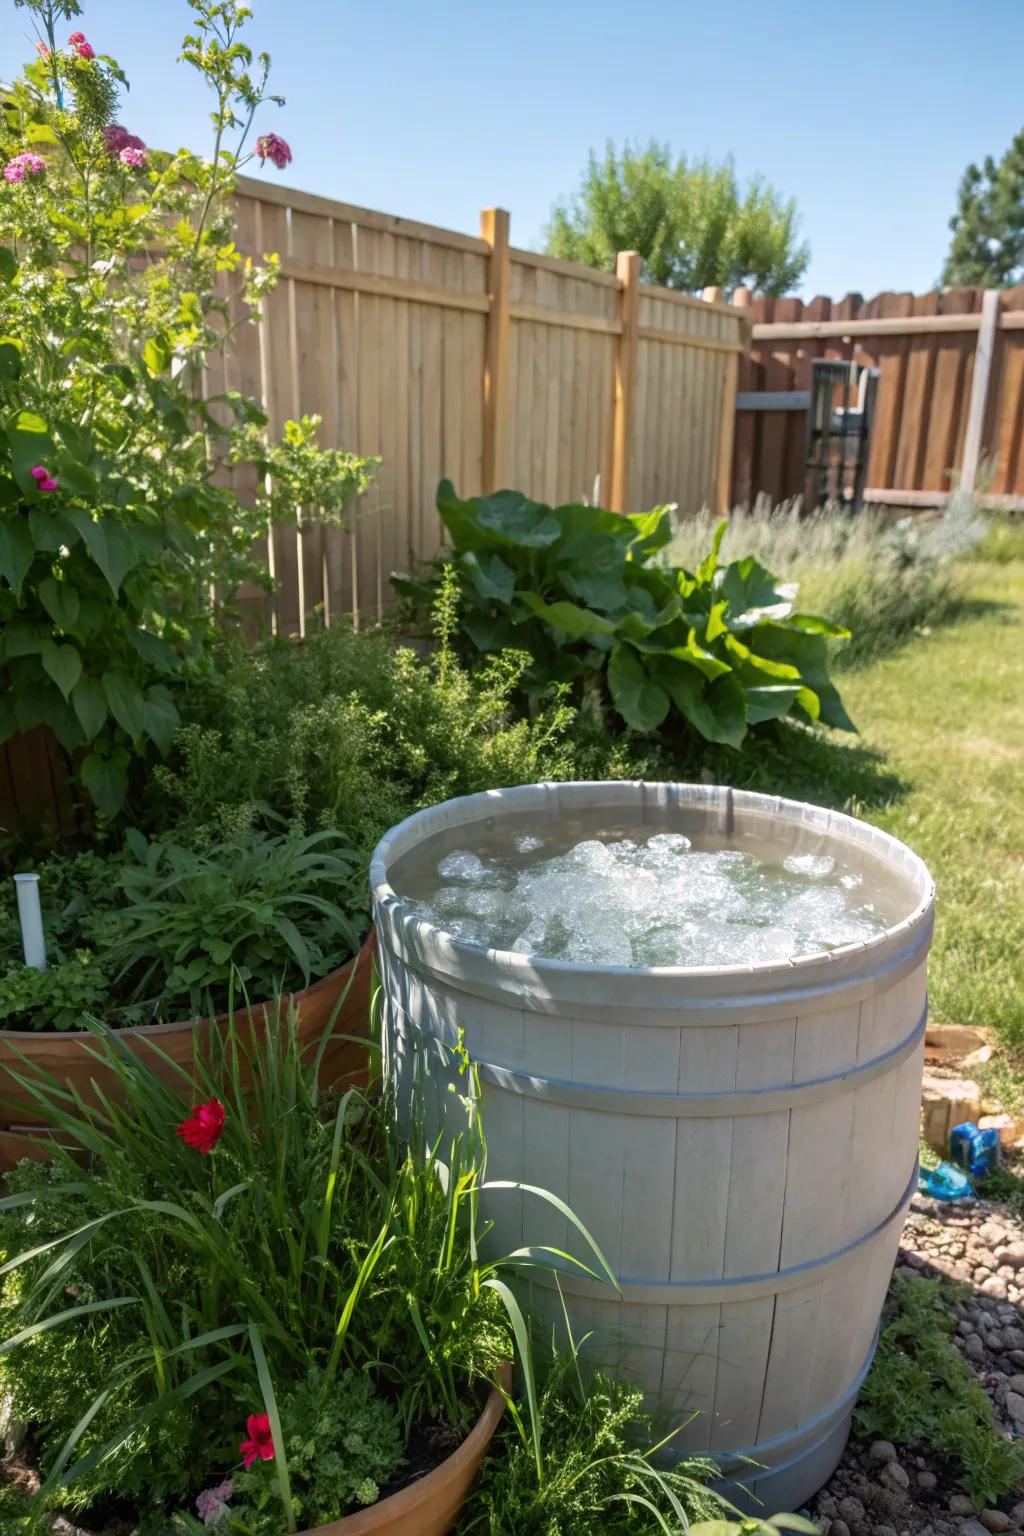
[741,1142]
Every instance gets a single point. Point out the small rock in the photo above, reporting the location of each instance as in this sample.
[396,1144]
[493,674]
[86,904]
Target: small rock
[882,1451]
[894,1477]
[839,1528]
[974,1349]
[1017,1513]
[1011,1253]
[981,1274]
[824,1524]
[1015,1407]
[927,1481]
[1013,1338]
[885,1530]
[1016,1384]
[971,1528]
[851,1510]
[996,1520]
[995,1285]
[960,1504]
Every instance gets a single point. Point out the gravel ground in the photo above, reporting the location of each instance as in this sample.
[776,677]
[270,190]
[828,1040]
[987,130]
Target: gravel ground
[885,1490]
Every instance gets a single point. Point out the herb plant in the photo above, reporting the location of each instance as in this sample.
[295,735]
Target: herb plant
[581,590]
[919,1391]
[262,908]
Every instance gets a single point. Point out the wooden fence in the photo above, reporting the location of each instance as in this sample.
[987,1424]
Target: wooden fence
[449,354]
[950,407]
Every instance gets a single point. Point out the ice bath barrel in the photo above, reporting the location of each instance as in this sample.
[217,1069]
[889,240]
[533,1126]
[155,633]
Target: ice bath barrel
[741,1141]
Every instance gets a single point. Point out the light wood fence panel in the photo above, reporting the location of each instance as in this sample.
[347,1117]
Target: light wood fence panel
[419,346]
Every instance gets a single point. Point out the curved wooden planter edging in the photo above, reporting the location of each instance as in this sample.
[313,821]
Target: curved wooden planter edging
[430,1506]
[67,1055]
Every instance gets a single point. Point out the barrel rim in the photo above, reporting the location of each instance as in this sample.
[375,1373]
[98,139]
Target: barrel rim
[821,967]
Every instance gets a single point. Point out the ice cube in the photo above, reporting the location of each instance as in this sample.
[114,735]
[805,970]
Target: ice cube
[816,865]
[461,865]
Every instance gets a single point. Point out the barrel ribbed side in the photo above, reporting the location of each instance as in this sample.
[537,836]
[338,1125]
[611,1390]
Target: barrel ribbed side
[741,1143]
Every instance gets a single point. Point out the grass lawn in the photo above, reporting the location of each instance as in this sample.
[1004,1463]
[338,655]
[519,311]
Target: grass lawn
[946,714]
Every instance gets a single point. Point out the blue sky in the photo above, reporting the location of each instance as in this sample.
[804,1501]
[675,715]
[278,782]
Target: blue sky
[866,113]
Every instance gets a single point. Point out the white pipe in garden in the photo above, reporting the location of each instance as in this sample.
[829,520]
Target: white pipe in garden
[30,915]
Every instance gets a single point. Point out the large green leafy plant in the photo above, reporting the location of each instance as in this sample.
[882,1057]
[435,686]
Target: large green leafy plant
[119,278]
[584,592]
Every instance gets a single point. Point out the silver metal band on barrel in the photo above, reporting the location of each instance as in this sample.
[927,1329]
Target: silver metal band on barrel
[692,1106]
[637,1291]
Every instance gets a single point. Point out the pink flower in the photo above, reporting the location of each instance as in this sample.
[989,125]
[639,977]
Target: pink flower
[203,1128]
[270,147]
[260,1442]
[76,37]
[43,479]
[118,138]
[27,164]
[43,51]
[213,1502]
[133,157]
[82,46]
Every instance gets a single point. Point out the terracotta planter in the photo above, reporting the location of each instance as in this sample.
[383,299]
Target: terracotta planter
[430,1506]
[67,1055]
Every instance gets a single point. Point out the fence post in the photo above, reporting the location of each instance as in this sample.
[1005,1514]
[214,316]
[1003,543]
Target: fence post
[494,228]
[627,270]
[727,421]
[979,390]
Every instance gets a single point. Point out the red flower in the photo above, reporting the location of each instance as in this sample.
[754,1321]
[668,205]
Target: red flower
[270,146]
[204,1127]
[260,1442]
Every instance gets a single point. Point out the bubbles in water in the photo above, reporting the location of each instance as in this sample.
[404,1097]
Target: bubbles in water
[649,901]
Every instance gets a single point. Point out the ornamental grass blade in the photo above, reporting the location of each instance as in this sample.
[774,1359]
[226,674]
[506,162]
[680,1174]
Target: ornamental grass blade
[56,1318]
[270,1403]
[563,1210]
[522,1338]
[644,1503]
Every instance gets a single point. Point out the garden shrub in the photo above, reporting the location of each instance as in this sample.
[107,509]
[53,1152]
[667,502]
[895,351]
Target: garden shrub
[880,577]
[719,648]
[920,1392]
[115,528]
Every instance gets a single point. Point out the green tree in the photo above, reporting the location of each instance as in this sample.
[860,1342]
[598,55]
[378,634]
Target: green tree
[987,249]
[693,223]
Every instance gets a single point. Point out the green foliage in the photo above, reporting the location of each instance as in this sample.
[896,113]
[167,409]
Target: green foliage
[342,1446]
[289,908]
[161,1297]
[352,732]
[580,589]
[692,223]
[987,249]
[919,1391]
[881,578]
[115,527]
[593,1476]
[284,905]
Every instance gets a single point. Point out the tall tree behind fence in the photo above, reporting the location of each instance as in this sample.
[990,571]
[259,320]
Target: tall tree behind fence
[950,407]
[461,356]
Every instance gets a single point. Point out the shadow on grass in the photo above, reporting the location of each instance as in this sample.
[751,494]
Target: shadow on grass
[799,764]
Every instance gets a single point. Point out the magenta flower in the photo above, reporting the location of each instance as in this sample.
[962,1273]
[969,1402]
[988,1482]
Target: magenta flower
[117,138]
[27,164]
[82,46]
[269,146]
[133,157]
[76,37]
[213,1502]
[43,479]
